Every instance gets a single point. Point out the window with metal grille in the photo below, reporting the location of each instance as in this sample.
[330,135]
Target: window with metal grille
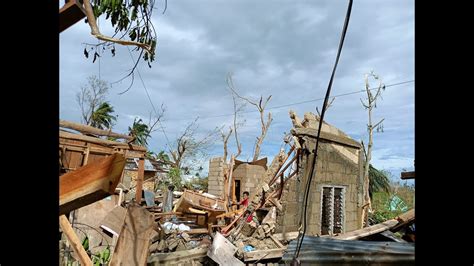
[332,210]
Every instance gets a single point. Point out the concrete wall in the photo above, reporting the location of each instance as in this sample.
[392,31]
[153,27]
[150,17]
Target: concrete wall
[333,168]
[250,177]
[217,167]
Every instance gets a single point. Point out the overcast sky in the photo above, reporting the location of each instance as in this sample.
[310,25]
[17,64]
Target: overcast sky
[281,48]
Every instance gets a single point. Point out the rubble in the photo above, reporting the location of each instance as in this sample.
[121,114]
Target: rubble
[191,227]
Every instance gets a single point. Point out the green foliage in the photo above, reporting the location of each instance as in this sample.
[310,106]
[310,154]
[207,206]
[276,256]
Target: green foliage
[85,243]
[132,18]
[378,181]
[102,117]
[102,258]
[140,131]
[175,175]
[382,200]
[99,259]
[162,156]
[197,183]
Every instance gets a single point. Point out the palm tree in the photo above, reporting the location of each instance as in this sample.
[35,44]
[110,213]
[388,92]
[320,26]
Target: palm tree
[140,131]
[102,117]
[378,181]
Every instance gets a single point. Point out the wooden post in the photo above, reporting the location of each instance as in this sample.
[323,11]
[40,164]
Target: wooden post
[141,173]
[74,240]
[229,190]
[86,154]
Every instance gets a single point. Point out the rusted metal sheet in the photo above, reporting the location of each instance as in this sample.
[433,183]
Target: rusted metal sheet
[319,250]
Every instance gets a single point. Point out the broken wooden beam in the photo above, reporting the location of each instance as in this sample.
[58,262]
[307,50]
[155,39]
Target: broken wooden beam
[74,241]
[115,144]
[374,229]
[140,175]
[404,219]
[408,175]
[85,129]
[90,183]
[70,13]
[273,253]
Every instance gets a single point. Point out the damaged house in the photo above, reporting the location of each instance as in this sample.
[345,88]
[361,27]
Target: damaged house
[336,188]
[245,176]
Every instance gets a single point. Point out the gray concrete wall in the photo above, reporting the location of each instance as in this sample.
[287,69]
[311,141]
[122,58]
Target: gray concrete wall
[217,167]
[250,177]
[333,168]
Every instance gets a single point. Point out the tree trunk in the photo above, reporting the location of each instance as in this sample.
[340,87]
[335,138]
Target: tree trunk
[92,130]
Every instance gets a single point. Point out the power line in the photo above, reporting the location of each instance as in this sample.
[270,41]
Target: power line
[301,235]
[149,98]
[296,103]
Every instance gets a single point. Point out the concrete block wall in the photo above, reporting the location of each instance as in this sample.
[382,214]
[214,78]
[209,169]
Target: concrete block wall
[332,169]
[250,177]
[217,167]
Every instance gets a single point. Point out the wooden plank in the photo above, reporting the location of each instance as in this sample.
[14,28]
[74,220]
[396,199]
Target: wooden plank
[70,13]
[407,216]
[90,183]
[388,234]
[229,188]
[177,256]
[404,219]
[115,144]
[267,253]
[141,172]
[408,175]
[264,254]
[276,202]
[74,241]
[92,130]
[197,231]
[133,243]
[87,152]
[374,229]
[135,154]
[312,132]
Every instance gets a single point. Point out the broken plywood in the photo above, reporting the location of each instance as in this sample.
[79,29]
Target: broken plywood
[222,251]
[114,220]
[133,243]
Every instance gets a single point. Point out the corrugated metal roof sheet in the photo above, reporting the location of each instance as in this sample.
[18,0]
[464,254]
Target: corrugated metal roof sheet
[318,250]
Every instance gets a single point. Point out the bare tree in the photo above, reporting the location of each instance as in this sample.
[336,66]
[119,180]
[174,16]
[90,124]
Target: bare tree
[188,146]
[329,104]
[236,124]
[155,118]
[91,97]
[261,108]
[225,139]
[370,104]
